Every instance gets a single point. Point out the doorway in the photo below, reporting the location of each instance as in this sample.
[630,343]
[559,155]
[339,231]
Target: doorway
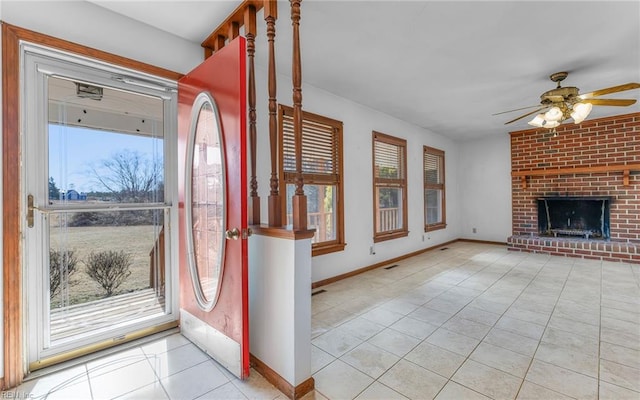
[99,187]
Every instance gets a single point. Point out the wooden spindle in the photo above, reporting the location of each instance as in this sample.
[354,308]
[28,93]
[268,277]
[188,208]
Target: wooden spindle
[234,28]
[274,203]
[299,199]
[250,27]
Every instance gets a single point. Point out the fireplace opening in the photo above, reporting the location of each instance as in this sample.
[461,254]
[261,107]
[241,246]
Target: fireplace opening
[586,217]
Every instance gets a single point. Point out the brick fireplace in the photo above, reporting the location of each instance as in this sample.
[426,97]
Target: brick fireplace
[597,162]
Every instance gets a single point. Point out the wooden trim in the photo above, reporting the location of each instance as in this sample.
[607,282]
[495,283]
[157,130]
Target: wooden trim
[576,170]
[12,273]
[482,241]
[441,186]
[11,229]
[283,233]
[292,392]
[212,42]
[359,271]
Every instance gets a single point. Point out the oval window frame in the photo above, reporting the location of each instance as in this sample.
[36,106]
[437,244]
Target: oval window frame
[204,303]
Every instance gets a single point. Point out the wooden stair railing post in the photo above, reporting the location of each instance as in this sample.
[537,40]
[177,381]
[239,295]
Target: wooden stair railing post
[274,202]
[250,33]
[299,199]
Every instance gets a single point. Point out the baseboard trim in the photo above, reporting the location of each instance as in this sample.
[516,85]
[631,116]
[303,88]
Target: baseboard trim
[359,271]
[292,392]
[482,241]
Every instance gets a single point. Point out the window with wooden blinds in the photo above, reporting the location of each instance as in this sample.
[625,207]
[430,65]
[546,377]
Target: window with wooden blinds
[434,189]
[390,187]
[321,161]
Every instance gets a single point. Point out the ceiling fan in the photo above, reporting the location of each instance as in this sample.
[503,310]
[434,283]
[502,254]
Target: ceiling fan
[562,103]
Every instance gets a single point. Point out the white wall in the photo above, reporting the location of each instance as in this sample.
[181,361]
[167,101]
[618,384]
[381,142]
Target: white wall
[88,24]
[359,122]
[484,169]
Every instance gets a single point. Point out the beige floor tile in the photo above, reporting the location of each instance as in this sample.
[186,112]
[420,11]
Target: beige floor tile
[486,380]
[620,375]
[336,342]
[370,359]
[319,359]
[531,391]
[455,391]
[361,328]
[568,358]
[255,387]
[575,327]
[378,391]
[154,391]
[399,306]
[528,315]
[562,380]
[524,328]
[619,354]
[431,316]
[610,391]
[502,359]
[570,340]
[446,305]
[478,315]
[413,381]
[627,327]
[339,380]
[394,342]
[625,315]
[123,380]
[453,341]
[467,327]
[436,359]
[620,338]
[486,305]
[382,316]
[414,327]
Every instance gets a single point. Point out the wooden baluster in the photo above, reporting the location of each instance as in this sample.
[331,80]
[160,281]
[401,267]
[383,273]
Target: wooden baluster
[234,28]
[274,203]
[299,199]
[250,33]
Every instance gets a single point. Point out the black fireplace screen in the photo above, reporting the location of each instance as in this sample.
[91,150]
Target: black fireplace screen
[586,217]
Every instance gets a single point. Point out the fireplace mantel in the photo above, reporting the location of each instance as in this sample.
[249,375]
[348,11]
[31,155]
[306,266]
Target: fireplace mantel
[624,168]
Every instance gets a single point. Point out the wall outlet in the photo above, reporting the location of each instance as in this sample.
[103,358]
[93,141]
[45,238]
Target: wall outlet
[474,230]
[423,238]
[372,251]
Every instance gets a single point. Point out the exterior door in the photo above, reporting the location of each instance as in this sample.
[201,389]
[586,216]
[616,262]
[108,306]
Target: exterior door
[213,207]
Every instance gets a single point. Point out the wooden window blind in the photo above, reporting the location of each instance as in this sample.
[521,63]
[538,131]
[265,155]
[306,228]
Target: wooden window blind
[434,189]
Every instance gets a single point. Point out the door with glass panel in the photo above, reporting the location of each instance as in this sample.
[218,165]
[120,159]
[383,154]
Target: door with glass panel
[98,209]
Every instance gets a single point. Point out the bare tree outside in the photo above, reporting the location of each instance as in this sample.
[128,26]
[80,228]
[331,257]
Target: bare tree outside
[131,177]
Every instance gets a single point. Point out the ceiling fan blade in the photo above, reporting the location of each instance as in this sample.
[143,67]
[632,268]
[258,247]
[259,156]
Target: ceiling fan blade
[527,114]
[613,89]
[610,102]
[517,109]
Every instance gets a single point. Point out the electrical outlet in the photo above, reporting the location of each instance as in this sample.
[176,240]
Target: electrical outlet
[372,251]
[474,230]
[423,238]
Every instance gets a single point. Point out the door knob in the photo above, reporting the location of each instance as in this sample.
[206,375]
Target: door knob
[232,234]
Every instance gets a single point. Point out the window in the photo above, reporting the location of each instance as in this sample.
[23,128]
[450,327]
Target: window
[434,204]
[322,174]
[390,187]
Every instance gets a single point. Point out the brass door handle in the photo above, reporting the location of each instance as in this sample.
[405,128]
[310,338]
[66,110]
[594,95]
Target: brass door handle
[232,234]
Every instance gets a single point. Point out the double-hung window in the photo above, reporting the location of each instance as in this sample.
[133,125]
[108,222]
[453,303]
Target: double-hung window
[389,187]
[322,174]
[434,196]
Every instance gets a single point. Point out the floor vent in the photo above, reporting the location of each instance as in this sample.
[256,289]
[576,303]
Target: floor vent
[444,248]
[318,292]
[391,266]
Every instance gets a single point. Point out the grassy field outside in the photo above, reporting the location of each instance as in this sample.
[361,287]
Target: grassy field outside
[136,240]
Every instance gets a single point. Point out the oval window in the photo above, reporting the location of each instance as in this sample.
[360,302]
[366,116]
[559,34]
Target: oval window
[205,200]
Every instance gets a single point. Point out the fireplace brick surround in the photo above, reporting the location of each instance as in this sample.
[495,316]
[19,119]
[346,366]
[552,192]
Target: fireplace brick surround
[599,157]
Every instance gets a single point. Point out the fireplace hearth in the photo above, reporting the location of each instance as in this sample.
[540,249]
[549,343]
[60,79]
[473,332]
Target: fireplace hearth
[585,217]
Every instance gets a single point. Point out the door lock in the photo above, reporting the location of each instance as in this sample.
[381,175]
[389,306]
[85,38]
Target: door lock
[30,209]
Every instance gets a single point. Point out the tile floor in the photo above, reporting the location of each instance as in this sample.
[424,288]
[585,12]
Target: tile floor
[472,321]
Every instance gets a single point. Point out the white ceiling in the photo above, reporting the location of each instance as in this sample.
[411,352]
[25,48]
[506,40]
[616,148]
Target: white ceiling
[444,65]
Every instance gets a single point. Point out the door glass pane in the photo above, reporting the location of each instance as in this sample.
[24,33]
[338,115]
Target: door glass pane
[208,213]
[106,267]
[105,145]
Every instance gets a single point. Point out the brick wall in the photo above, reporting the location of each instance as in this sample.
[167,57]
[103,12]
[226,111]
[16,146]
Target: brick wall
[593,143]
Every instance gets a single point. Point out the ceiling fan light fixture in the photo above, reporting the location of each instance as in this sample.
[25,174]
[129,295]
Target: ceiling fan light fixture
[554,114]
[538,121]
[581,111]
[551,124]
